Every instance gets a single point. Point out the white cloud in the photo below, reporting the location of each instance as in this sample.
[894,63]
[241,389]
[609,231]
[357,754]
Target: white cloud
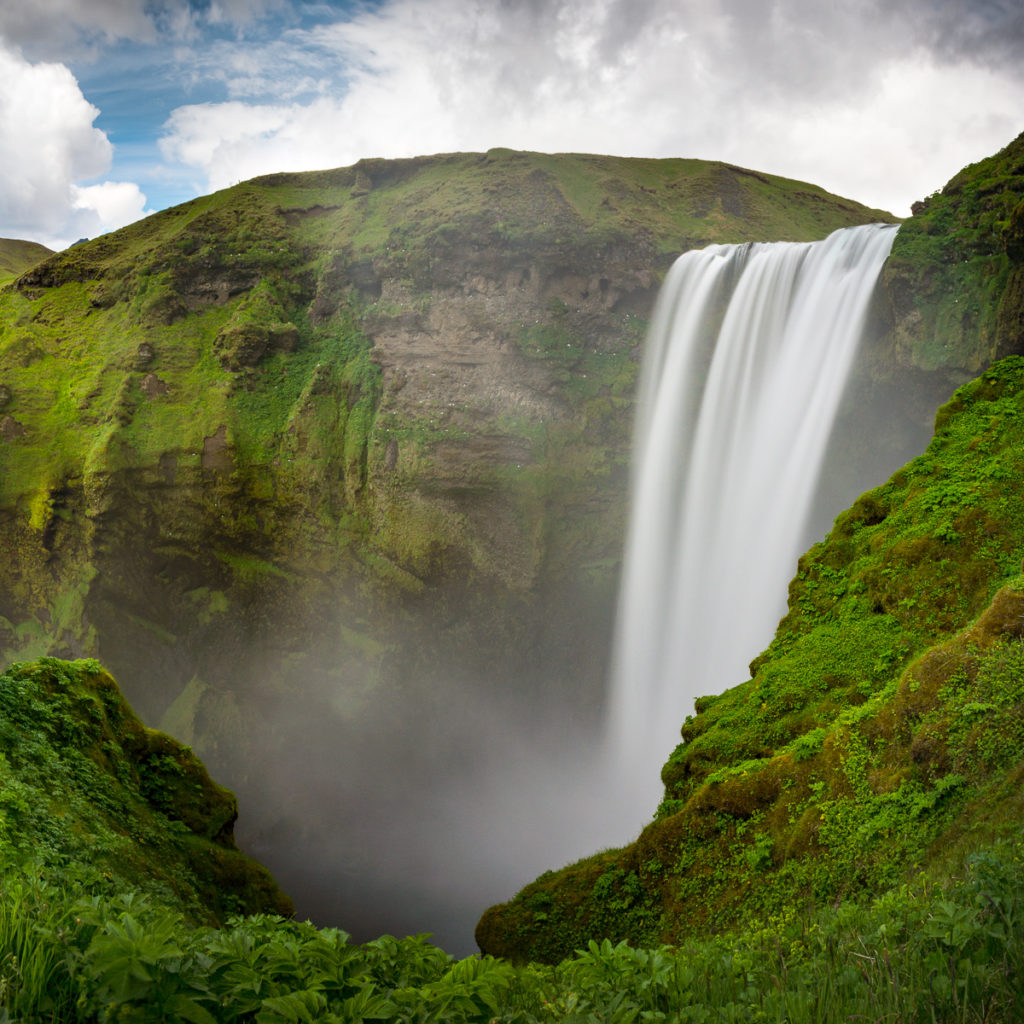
[50,144]
[110,204]
[920,125]
[839,96]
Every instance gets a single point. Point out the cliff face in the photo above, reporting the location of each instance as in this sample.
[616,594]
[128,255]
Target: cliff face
[956,276]
[347,434]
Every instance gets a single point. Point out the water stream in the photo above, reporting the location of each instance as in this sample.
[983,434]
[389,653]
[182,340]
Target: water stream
[747,357]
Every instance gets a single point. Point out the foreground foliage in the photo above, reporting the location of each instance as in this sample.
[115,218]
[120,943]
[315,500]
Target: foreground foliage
[927,954]
[84,783]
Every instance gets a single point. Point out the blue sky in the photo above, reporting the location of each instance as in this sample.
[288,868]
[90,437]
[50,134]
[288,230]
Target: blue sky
[113,108]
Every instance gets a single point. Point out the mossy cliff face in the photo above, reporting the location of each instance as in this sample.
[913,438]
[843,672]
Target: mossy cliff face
[84,782]
[348,439]
[880,733]
[956,276]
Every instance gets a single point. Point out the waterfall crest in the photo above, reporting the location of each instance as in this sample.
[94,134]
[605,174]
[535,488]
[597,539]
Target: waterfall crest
[747,357]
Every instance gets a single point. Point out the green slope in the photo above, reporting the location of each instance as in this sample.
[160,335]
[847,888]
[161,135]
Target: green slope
[17,256]
[106,867]
[882,732]
[128,808]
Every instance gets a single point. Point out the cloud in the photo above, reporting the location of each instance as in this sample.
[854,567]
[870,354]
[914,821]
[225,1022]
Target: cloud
[46,127]
[48,27]
[877,101]
[55,28]
[109,203]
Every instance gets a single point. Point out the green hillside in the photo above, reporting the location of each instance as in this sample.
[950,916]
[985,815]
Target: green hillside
[17,256]
[86,784]
[278,275]
[108,876]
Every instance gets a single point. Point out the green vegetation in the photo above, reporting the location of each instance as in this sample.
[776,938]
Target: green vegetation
[85,784]
[338,405]
[314,394]
[70,951]
[955,276]
[120,887]
[888,708]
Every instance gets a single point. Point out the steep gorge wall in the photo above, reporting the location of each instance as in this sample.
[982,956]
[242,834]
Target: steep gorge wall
[338,405]
[330,470]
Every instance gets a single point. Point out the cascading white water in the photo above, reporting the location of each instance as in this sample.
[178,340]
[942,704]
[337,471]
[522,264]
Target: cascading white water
[732,427]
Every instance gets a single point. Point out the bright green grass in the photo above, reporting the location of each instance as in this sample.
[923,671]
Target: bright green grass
[922,955]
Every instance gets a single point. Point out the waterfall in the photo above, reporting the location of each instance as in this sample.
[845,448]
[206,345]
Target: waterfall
[747,356]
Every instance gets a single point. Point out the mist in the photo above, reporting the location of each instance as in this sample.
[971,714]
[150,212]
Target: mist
[431,806]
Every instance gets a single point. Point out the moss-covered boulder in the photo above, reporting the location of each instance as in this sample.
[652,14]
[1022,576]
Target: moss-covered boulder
[880,734]
[83,782]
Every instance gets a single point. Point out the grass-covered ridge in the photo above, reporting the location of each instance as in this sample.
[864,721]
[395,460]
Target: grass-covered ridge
[881,733]
[145,334]
[83,782]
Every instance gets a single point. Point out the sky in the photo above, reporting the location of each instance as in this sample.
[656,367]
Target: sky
[112,109]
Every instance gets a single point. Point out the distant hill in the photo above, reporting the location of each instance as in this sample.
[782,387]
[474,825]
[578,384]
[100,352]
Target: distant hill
[17,256]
